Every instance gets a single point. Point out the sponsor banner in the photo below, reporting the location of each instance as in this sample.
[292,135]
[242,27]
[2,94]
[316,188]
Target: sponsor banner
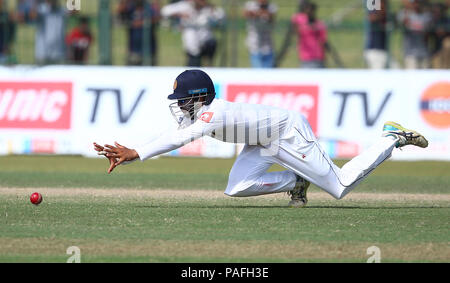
[40,144]
[356,110]
[63,109]
[300,98]
[35,105]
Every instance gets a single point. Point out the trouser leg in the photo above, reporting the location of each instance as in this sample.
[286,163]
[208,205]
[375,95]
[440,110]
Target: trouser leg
[302,154]
[249,176]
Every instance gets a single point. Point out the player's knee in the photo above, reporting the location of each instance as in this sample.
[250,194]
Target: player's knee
[339,194]
[239,190]
[233,193]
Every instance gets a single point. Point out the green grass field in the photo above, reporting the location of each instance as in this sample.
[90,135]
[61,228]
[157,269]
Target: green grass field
[174,210]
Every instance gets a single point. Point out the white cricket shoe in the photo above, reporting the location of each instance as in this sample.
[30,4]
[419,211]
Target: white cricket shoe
[404,136]
[298,194]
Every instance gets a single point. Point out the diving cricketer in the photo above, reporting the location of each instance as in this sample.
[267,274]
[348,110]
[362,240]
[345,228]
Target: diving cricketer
[271,135]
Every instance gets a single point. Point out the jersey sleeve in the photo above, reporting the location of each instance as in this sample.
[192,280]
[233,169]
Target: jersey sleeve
[174,139]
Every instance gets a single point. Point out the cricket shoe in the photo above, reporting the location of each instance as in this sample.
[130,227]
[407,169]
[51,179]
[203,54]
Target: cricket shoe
[404,136]
[298,194]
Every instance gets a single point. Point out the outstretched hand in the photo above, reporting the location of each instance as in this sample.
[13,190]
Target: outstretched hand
[116,154]
[101,151]
[120,153]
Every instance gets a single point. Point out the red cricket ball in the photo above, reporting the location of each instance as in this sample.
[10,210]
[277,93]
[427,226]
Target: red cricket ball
[36,198]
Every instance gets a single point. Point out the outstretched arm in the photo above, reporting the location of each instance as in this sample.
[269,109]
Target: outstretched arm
[119,154]
[174,139]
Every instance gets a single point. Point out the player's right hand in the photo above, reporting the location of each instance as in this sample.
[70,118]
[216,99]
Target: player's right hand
[101,151]
[121,153]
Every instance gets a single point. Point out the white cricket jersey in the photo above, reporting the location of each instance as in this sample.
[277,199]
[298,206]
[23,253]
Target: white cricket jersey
[252,124]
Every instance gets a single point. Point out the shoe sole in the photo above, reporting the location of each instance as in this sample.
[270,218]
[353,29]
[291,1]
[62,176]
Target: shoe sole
[422,141]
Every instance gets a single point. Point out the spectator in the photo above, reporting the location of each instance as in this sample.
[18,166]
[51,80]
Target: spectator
[7,33]
[260,17]
[197,19]
[25,10]
[50,34]
[135,13]
[442,58]
[415,22]
[312,37]
[440,28]
[376,49]
[174,22]
[78,42]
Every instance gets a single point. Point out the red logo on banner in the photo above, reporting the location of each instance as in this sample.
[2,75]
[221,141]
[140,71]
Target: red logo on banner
[35,105]
[300,98]
[43,146]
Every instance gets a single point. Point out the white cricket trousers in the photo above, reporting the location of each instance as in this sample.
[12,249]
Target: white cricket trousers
[299,152]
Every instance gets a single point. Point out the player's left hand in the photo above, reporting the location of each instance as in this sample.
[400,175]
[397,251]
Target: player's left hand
[121,153]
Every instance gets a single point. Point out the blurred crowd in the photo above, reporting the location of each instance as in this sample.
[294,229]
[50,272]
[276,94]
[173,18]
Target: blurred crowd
[53,43]
[426,34]
[424,24]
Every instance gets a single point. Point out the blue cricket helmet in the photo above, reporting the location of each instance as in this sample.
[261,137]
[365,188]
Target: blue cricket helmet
[192,83]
